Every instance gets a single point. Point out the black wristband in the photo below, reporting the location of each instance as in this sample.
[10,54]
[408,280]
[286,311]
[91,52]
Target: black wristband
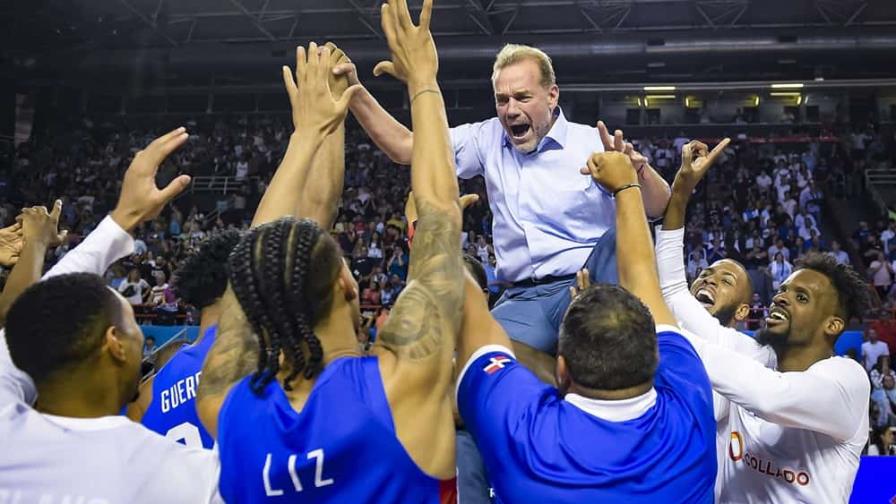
[626,186]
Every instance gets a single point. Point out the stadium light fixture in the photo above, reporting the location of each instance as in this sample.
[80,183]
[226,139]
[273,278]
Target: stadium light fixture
[794,85]
[659,88]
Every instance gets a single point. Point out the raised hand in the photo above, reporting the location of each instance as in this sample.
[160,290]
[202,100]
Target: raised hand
[314,107]
[41,226]
[11,243]
[414,58]
[616,143]
[140,199]
[696,158]
[612,170]
[342,71]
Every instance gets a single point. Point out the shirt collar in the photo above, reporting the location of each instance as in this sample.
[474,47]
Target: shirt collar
[615,411]
[557,133]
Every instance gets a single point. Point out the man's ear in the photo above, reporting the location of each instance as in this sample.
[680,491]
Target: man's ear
[349,291]
[114,344]
[561,375]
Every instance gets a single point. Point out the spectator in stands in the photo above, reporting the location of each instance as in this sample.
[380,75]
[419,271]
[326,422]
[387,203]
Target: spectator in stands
[881,442]
[780,269]
[875,352]
[839,254]
[371,295]
[763,183]
[398,264]
[758,312]
[883,394]
[777,248]
[881,274]
[149,346]
[696,263]
[135,289]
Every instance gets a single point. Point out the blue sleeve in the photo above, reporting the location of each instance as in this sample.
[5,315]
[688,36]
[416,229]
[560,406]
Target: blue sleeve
[465,139]
[680,367]
[494,393]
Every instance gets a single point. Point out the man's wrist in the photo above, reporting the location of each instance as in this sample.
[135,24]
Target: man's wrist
[417,85]
[127,220]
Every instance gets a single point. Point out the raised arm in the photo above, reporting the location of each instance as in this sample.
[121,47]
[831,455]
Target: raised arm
[316,113]
[830,397]
[696,161]
[316,117]
[387,133]
[416,345]
[140,200]
[319,197]
[39,233]
[634,250]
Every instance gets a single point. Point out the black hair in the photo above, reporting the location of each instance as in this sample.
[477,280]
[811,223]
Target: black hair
[853,294]
[475,267]
[202,277]
[59,323]
[282,274]
[608,339]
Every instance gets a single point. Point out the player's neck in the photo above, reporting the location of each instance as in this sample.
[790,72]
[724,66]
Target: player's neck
[337,333]
[208,317]
[801,358]
[77,395]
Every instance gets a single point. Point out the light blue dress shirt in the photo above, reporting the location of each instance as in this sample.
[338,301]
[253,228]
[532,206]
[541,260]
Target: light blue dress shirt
[547,215]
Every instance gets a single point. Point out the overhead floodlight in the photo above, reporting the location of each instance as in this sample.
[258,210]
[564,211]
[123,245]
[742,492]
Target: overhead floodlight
[659,88]
[786,93]
[661,97]
[791,85]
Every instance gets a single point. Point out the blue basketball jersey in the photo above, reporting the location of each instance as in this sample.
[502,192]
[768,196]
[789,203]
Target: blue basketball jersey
[172,412]
[340,448]
[538,447]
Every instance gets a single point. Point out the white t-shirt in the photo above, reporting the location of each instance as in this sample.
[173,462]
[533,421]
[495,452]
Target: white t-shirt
[790,437]
[793,437]
[871,352]
[693,317]
[47,458]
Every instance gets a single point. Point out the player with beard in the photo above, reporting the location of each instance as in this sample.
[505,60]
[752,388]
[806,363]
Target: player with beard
[287,360]
[794,435]
[75,347]
[720,296]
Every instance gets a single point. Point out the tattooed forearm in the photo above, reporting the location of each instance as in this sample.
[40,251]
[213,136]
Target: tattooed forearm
[427,314]
[415,325]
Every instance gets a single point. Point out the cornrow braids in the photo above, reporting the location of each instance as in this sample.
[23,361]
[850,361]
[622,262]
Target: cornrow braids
[283,296]
[242,280]
[308,236]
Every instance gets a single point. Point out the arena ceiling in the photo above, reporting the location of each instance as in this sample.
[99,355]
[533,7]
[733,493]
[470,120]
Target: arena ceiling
[591,40]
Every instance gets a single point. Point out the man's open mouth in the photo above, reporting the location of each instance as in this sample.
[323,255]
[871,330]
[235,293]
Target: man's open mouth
[519,130]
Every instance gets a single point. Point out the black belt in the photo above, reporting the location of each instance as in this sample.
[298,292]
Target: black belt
[532,282]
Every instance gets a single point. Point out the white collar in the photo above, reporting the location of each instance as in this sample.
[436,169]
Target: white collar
[619,410]
[87,424]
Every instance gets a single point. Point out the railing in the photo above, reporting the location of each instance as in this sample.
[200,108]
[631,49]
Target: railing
[878,179]
[219,184]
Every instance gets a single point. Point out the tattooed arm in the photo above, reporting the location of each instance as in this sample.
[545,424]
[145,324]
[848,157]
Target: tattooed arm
[233,356]
[416,345]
